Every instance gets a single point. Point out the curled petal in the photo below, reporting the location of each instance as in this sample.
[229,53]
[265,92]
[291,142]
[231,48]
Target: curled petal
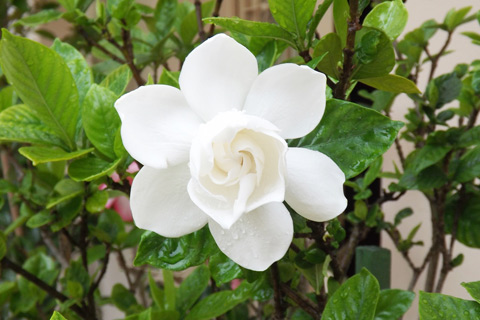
[314,185]
[160,202]
[291,97]
[217,75]
[258,239]
[157,125]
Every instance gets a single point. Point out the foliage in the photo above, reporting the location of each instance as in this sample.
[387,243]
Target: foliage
[62,158]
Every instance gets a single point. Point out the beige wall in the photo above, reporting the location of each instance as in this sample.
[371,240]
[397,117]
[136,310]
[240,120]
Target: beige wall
[419,11]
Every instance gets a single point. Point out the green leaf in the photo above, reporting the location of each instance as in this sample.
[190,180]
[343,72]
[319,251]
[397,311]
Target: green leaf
[341,15]
[390,17]
[353,136]
[317,17]
[374,54]
[164,15]
[40,219]
[89,169]
[473,288]
[109,226]
[65,189]
[156,292]
[7,97]
[356,299]
[50,154]
[469,166]
[124,300]
[189,27]
[392,83]
[175,253]
[101,120]
[468,224]
[41,17]
[253,28]
[438,306]
[443,89]
[21,124]
[43,81]
[425,157]
[393,303]
[119,8]
[169,78]
[117,80]
[219,303]
[331,45]
[81,72]
[192,288]
[223,269]
[373,172]
[402,214]
[57,316]
[169,290]
[3,245]
[96,202]
[293,15]
[455,17]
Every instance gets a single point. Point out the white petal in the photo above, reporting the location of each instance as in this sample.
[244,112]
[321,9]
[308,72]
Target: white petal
[217,75]
[160,202]
[258,239]
[314,185]
[291,97]
[157,125]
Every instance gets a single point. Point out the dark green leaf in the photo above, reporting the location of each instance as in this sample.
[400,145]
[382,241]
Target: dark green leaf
[374,54]
[356,299]
[223,269]
[3,245]
[293,15]
[390,17]
[95,253]
[124,300]
[428,178]
[353,136]
[402,214]
[192,288]
[117,80]
[269,54]
[109,226]
[443,89]
[393,303]
[100,119]
[81,72]
[392,83]
[21,124]
[473,288]
[89,169]
[40,219]
[331,45]
[66,212]
[175,253]
[253,28]
[50,154]
[469,166]
[43,81]
[438,306]
[65,190]
[428,155]
[468,224]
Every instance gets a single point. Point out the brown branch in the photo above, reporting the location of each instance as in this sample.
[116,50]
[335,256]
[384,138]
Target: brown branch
[348,52]
[8,264]
[95,44]
[216,13]
[123,265]
[302,302]
[127,51]
[198,11]
[95,285]
[347,251]
[434,59]
[279,312]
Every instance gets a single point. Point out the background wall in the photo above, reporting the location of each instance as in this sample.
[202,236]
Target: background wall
[464,51]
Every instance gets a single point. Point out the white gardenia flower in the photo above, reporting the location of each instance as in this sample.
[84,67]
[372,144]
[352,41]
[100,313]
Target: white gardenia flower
[215,152]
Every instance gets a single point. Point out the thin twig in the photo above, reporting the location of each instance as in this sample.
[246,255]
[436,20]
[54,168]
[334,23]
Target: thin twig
[216,13]
[302,302]
[279,312]
[198,11]
[123,265]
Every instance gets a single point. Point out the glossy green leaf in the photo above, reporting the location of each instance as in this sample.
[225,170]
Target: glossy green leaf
[175,253]
[41,17]
[43,81]
[473,289]
[353,136]
[88,169]
[223,269]
[468,222]
[169,290]
[455,17]
[101,120]
[81,72]
[117,80]
[393,303]
[356,299]
[269,54]
[392,83]
[50,154]
[390,17]
[21,124]
[331,45]
[293,15]
[438,306]
[57,316]
[469,166]
[219,303]
[253,28]
[192,288]
[374,54]
[341,15]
